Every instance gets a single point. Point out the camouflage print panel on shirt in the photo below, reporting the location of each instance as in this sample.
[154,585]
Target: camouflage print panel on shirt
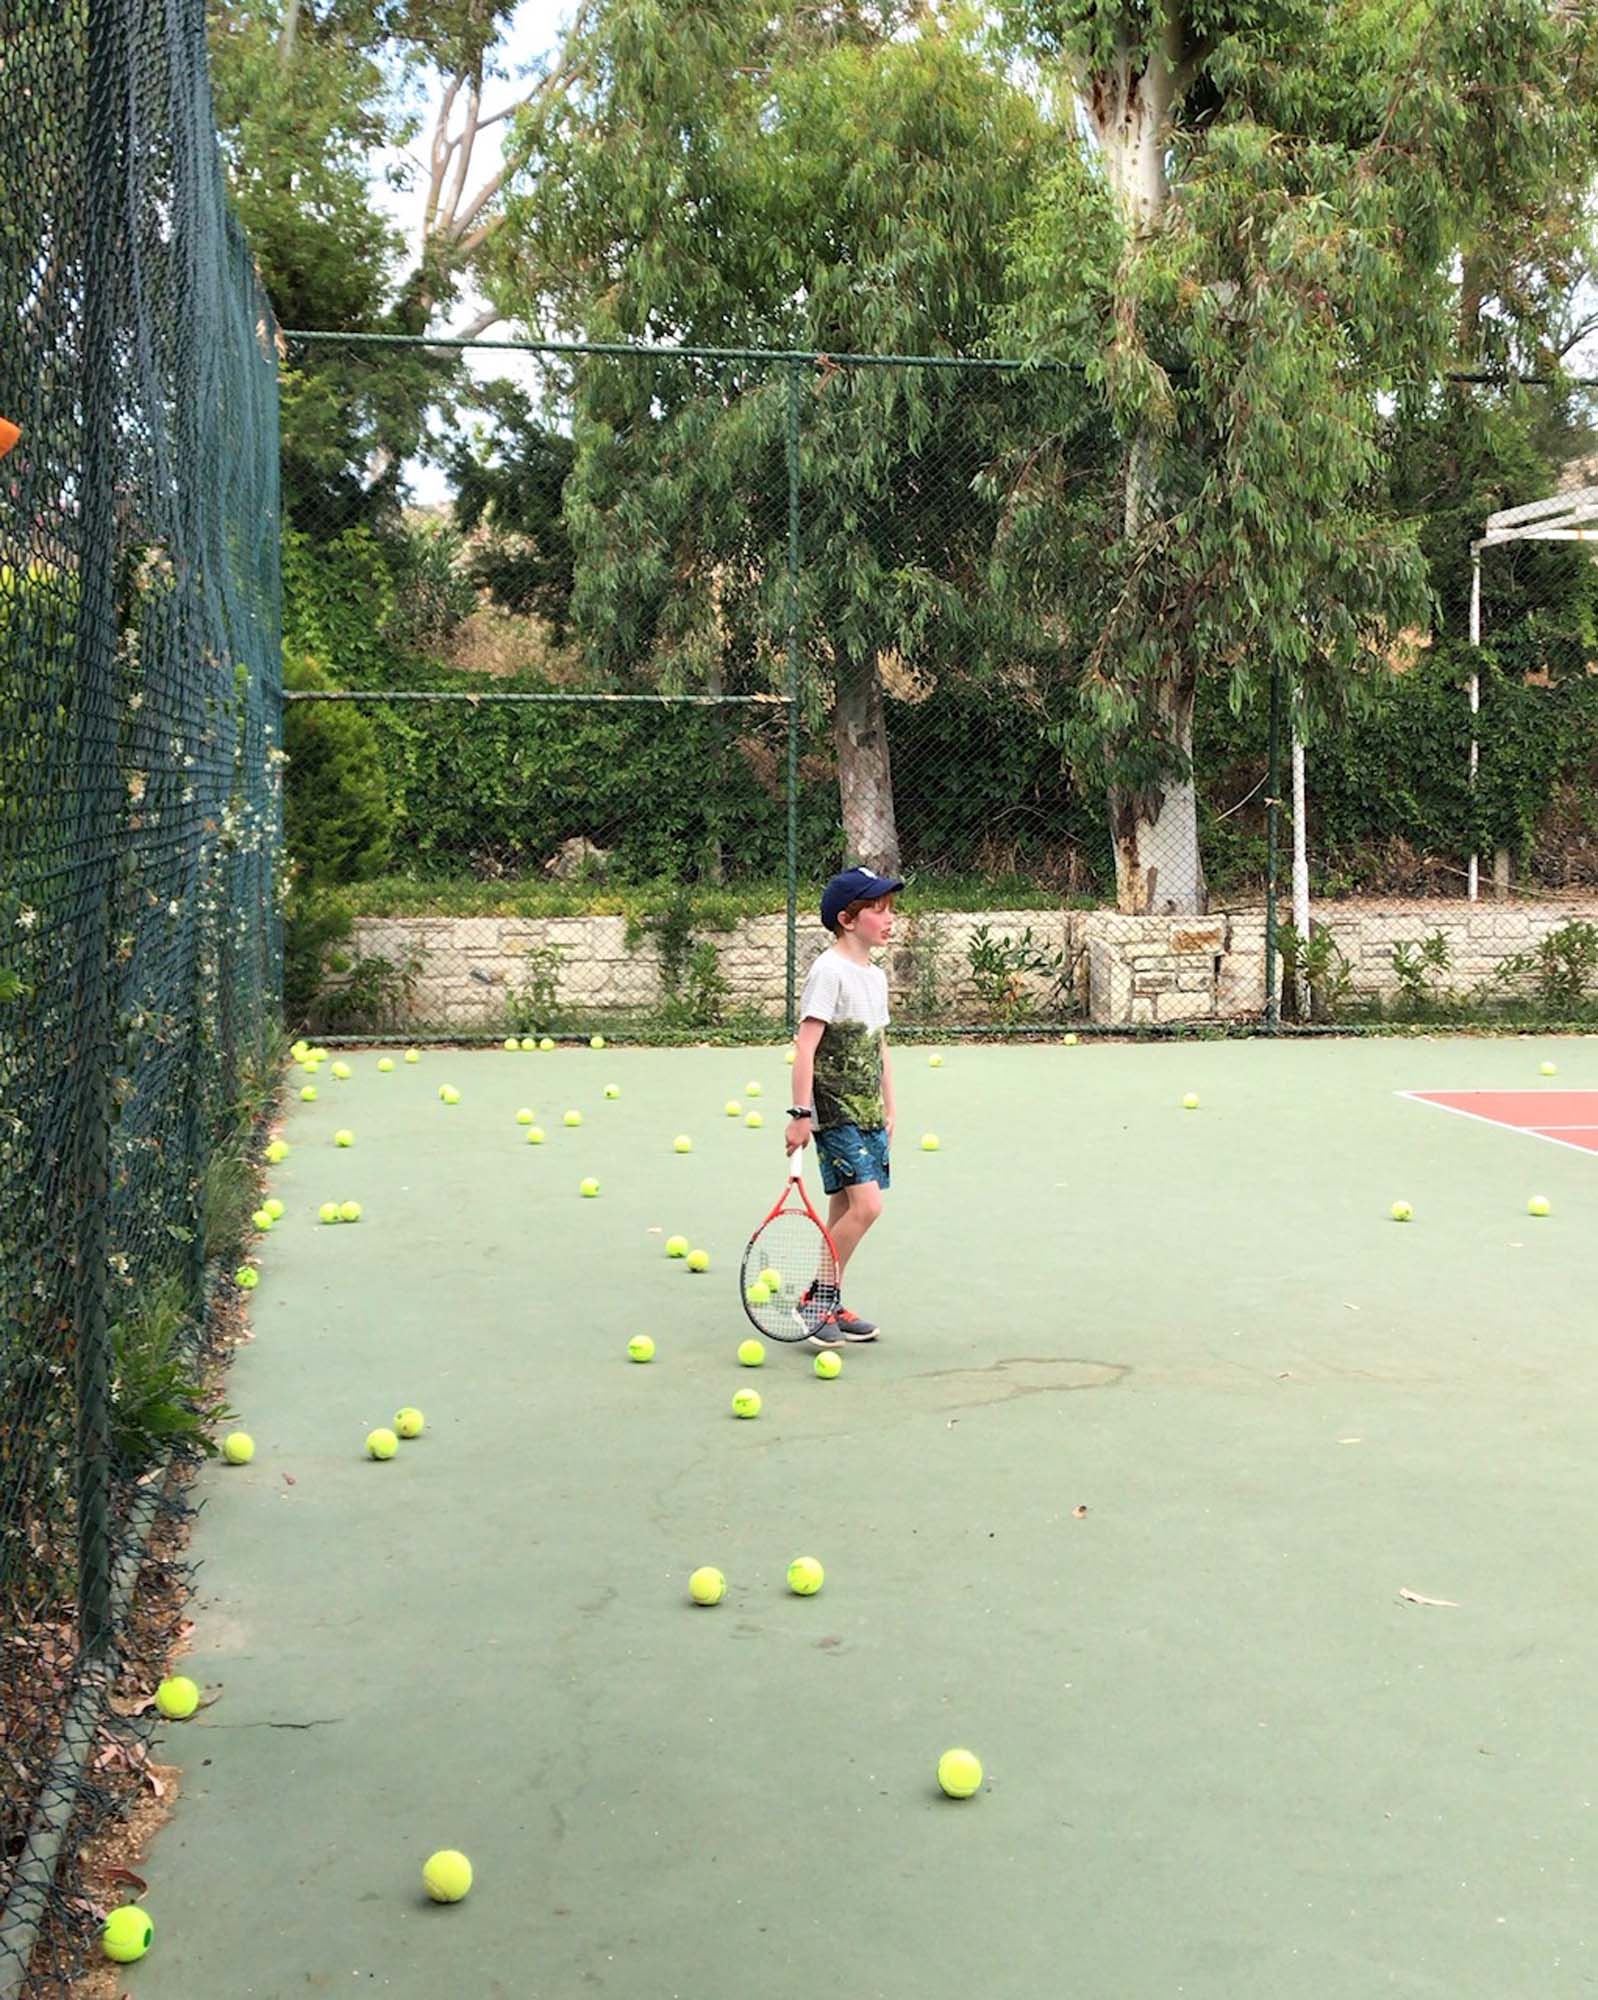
[848,1076]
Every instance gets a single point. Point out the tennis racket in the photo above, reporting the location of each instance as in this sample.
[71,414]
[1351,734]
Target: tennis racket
[789,1254]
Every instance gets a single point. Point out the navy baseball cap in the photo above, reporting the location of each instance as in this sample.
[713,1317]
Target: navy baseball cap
[854,885]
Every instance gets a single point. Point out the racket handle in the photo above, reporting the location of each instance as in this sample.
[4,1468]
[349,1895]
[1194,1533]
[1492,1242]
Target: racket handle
[796,1163]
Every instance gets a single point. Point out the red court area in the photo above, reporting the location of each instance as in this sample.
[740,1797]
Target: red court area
[1566,1117]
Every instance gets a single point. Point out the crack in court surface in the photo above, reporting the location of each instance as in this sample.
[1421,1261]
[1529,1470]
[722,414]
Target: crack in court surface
[1019,1375]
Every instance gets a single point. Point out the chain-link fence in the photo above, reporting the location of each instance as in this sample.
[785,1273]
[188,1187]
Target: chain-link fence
[140,946]
[678,634]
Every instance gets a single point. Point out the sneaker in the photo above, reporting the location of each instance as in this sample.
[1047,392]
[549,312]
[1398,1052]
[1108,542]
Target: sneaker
[853,1327]
[820,1313]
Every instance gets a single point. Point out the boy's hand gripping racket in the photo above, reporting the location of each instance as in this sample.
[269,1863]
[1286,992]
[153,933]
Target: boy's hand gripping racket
[789,1279]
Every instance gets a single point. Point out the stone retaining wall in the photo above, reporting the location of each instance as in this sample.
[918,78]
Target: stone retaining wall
[1121,971]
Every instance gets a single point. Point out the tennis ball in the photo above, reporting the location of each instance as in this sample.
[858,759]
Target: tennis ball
[1546,1069]
[524,1116]
[261,1220]
[349,1211]
[278,1150]
[682,1143]
[328,1212]
[751,1353]
[448,1094]
[758,1294]
[746,1403]
[409,1423]
[511,1044]
[698,1260]
[707,1585]
[319,1055]
[528,1045]
[345,1138]
[385,1063]
[546,1045]
[613,1090]
[308,1094]
[929,1142]
[238,1447]
[1539,1205]
[754,1121]
[1069,1041]
[299,1050]
[805,1576]
[676,1246]
[641,1347]
[828,1365]
[789,1055]
[596,1041]
[772,1280]
[572,1118]
[733,1108]
[934,1062]
[447,1875]
[273,1207]
[342,1071]
[246,1277]
[381,1444]
[1401,1211]
[751,1090]
[1190,1102]
[177,1698]
[413,1055]
[127,1935]
[589,1188]
[959,1773]
[535,1135]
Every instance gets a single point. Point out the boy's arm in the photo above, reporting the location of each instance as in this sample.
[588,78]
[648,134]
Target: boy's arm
[804,1074]
[887,1089]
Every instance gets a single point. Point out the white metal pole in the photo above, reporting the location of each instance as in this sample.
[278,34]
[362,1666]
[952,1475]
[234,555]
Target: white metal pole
[1475,698]
[1300,864]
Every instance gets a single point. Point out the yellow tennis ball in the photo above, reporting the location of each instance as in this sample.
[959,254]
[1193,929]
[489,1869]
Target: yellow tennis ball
[448,1094]
[319,1055]
[524,1116]
[754,1121]
[546,1045]
[409,1423]
[789,1056]
[929,1142]
[934,1062]
[238,1447]
[758,1294]
[772,1280]
[273,1207]
[698,1260]
[511,1044]
[128,1934]
[1401,1211]
[1539,1205]
[641,1347]
[752,1353]
[682,1143]
[299,1050]
[596,1041]
[343,1138]
[349,1211]
[308,1094]
[572,1118]
[177,1697]
[278,1150]
[828,1365]
[589,1188]
[447,1875]
[751,1090]
[381,1444]
[1546,1069]
[746,1403]
[1190,1102]
[385,1063]
[328,1212]
[262,1220]
[676,1246]
[613,1090]
[342,1071]
[535,1135]
[733,1108]
[413,1055]
[246,1277]
[528,1045]
[805,1576]
[959,1773]
[1069,1041]
[707,1585]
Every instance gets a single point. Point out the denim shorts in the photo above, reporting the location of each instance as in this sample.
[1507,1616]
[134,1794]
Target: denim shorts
[849,1156]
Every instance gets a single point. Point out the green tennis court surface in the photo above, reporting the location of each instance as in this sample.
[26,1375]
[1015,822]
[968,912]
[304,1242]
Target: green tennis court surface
[1225,1754]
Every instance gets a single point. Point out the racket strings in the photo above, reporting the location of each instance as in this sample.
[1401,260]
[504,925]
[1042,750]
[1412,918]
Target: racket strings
[786,1260]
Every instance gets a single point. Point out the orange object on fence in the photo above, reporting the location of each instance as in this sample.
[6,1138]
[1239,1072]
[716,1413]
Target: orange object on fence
[8,435]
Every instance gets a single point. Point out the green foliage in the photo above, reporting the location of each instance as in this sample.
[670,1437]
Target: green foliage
[1324,967]
[1561,969]
[315,922]
[1000,964]
[337,816]
[509,476]
[533,1008]
[227,1195]
[363,995]
[695,992]
[1419,970]
[157,1398]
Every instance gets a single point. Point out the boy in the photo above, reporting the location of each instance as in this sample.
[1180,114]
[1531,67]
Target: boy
[843,1084]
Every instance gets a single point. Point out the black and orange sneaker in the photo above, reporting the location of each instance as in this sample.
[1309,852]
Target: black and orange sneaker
[819,1308]
[853,1327]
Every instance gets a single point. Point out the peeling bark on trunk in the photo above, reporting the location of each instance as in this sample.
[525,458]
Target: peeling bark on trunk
[865,782]
[1155,833]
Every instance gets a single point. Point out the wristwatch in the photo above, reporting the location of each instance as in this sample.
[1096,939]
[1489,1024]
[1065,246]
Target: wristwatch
[800,1111]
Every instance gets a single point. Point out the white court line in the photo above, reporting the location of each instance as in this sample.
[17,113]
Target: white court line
[1498,1125]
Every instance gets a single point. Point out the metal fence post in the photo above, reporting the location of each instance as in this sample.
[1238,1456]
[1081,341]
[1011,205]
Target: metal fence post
[1273,820]
[792,998]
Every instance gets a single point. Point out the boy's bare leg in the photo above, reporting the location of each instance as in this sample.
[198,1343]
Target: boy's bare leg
[850,1214]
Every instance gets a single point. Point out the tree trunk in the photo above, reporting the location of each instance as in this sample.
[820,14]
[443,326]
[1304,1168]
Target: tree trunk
[1155,833]
[1129,101]
[865,782]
